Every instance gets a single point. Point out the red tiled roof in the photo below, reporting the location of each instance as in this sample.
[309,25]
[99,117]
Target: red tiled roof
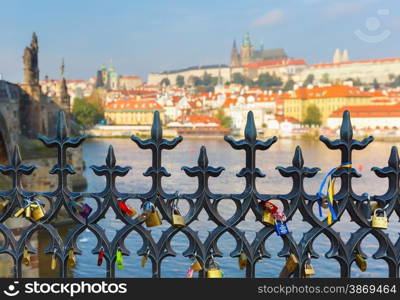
[369,111]
[332,92]
[196,119]
[364,61]
[281,119]
[134,104]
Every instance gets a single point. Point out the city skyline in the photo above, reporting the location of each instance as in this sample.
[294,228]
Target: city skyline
[142,38]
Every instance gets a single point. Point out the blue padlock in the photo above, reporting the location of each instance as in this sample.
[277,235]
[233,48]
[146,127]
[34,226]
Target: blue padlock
[281,227]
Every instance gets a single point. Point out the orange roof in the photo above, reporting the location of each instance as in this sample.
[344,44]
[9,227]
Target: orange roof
[364,61]
[369,111]
[332,92]
[229,101]
[134,104]
[281,119]
[196,119]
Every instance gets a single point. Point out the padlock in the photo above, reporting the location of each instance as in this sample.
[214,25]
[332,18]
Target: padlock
[308,270]
[214,273]
[379,221]
[196,266]
[281,227]
[53,261]
[177,219]
[290,266]
[291,263]
[189,273]
[100,257]
[19,212]
[71,258]
[3,204]
[130,211]
[242,261]
[37,212]
[28,210]
[153,219]
[120,261]
[268,218]
[144,259]
[361,262]
[26,258]
[85,211]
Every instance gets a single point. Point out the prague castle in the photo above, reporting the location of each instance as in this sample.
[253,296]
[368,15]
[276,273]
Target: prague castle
[251,62]
[248,54]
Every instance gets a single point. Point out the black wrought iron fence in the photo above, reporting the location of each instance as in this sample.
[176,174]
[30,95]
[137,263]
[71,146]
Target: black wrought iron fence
[361,208]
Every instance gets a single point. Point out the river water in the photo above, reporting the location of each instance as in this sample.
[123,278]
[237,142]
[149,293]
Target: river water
[221,154]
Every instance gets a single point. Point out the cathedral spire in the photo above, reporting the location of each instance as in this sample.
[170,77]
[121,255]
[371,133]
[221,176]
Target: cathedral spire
[64,100]
[235,61]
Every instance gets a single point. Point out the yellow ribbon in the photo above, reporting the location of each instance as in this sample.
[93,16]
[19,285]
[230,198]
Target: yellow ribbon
[331,190]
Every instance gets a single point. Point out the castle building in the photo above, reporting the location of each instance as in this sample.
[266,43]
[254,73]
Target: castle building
[110,79]
[248,54]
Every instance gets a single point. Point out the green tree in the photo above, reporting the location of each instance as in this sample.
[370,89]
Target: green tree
[289,85]
[267,80]
[180,81]
[165,82]
[197,81]
[325,78]
[238,78]
[309,80]
[376,84]
[207,79]
[395,81]
[87,113]
[313,116]
[226,121]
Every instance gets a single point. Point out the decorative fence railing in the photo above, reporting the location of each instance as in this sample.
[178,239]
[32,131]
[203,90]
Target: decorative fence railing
[205,253]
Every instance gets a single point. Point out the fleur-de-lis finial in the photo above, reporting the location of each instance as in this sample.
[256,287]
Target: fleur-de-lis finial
[250,132]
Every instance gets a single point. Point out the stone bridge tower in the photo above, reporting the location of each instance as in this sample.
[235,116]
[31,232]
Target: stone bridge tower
[33,120]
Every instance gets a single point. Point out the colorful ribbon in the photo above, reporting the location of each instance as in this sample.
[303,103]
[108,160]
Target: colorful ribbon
[122,205]
[120,262]
[331,192]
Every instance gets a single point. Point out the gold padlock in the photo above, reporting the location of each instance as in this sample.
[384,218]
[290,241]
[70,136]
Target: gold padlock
[3,204]
[379,221]
[242,261]
[268,218]
[290,266]
[26,258]
[177,219]
[143,261]
[19,212]
[28,211]
[53,261]
[153,219]
[196,266]
[291,263]
[37,212]
[71,258]
[308,270]
[214,273]
[361,262]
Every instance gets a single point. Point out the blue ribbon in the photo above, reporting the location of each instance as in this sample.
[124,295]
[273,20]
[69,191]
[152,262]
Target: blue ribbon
[320,194]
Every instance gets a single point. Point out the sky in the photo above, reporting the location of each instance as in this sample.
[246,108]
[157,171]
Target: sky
[139,37]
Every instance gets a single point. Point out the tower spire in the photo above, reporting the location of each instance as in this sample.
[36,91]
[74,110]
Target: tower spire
[62,68]
[235,61]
